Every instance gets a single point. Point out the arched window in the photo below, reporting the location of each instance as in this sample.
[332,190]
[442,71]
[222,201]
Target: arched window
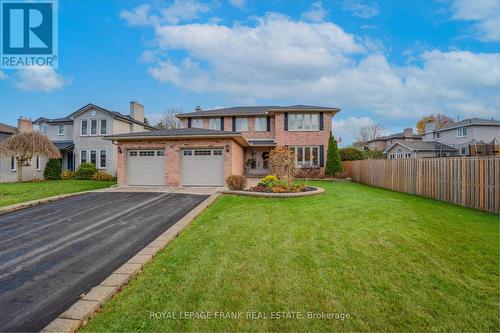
[399,153]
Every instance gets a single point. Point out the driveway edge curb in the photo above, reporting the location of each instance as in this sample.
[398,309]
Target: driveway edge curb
[78,313]
[37,202]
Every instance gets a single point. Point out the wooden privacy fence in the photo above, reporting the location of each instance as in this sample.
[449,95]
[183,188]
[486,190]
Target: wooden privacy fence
[468,181]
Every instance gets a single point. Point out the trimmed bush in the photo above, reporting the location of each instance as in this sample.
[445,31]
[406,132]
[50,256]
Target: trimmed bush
[52,169]
[67,174]
[236,183]
[103,176]
[310,172]
[85,171]
[351,154]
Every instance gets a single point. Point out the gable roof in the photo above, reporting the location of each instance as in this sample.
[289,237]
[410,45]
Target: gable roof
[422,146]
[114,114]
[179,133]
[255,110]
[7,129]
[467,122]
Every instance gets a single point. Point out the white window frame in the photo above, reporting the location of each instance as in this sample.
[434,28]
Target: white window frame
[464,151]
[303,122]
[44,128]
[100,127]
[461,132]
[13,164]
[304,163]
[241,124]
[59,126]
[96,124]
[215,124]
[37,161]
[86,156]
[260,124]
[86,127]
[399,153]
[198,122]
[105,158]
[90,156]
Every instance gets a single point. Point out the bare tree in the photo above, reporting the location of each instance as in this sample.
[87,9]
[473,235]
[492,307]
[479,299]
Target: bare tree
[169,119]
[368,133]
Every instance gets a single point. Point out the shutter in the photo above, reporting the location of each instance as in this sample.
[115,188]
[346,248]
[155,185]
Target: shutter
[285,127]
[234,125]
[268,120]
[321,156]
[189,122]
[221,123]
[321,126]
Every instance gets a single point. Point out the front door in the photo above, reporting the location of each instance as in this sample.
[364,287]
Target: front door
[70,161]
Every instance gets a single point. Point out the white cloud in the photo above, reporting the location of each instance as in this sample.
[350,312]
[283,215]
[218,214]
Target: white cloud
[316,14]
[40,78]
[3,76]
[346,129]
[360,9]
[485,14]
[238,3]
[178,11]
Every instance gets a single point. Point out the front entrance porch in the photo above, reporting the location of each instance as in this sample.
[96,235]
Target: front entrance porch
[257,161]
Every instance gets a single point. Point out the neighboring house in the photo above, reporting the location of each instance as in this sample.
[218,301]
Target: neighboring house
[465,135]
[463,138]
[80,135]
[8,164]
[215,144]
[384,142]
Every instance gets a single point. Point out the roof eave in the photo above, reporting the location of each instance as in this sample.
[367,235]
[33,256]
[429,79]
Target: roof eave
[237,138]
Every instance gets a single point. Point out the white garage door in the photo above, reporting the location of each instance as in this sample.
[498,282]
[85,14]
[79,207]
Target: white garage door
[202,167]
[146,167]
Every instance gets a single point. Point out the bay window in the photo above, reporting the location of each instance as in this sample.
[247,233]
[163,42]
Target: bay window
[307,156]
[303,122]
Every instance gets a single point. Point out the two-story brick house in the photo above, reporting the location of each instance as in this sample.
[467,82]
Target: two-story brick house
[80,135]
[217,143]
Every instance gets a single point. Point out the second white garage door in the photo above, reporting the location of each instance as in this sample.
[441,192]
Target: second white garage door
[146,167]
[202,167]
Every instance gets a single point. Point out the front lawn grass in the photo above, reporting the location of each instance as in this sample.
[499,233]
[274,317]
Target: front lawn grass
[13,193]
[392,261]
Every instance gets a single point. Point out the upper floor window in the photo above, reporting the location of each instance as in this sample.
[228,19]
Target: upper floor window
[93,126]
[214,124]
[44,128]
[462,131]
[83,127]
[303,122]
[260,124]
[437,135]
[60,129]
[241,124]
[104,126]
[197,123]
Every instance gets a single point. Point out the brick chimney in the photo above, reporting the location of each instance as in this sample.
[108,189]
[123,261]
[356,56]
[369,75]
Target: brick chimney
[137,111]
[24,125]
[198,108]
[408,133]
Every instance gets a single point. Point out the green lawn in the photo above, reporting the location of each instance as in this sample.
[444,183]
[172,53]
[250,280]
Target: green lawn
[12,193]
[393,262]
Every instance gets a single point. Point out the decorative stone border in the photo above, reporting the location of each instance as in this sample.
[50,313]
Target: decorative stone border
[317,190]
[82,310]
[339,180]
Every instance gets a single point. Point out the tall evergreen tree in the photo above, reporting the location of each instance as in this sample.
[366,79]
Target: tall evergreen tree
[333,163]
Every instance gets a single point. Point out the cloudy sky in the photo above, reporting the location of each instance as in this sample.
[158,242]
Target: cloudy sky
[388,62]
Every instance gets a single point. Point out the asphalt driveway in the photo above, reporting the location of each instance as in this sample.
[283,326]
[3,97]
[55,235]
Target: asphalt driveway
[51,254]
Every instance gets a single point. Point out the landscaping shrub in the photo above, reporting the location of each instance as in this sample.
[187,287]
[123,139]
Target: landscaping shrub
[268,181]
[333,163]
[103,176]
[374,154]
[282,161]
[308,173]
[52,169]
[85,171]
[351,154]
[340,175]
[236,183]
[67,174]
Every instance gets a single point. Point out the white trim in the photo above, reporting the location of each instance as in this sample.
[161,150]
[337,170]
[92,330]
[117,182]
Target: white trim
[59,129]
[106,158]
[86,127]
[100,127]
[96,124]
